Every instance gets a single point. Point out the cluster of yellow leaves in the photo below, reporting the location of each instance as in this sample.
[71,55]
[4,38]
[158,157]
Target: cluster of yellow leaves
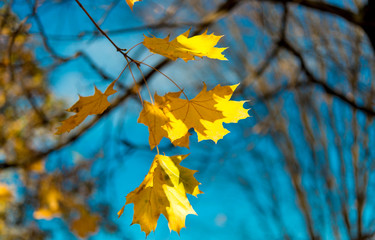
[163,191]
[183,46]
[85,106]
[172,117]
[186,47]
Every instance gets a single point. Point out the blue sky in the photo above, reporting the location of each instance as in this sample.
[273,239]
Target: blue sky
[227,209]
[219,214]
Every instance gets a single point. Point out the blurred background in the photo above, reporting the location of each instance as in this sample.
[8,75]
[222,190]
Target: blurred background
[302,167]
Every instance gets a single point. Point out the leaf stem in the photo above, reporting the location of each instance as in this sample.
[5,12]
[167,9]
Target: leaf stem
[182,90]
[144,79]
[135,83]
[136,45]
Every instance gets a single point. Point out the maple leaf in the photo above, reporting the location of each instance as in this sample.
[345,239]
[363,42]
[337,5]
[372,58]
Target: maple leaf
[160,123]
[85,106]
[207,112]
[131,3]
[232,111]
[163,191]
[86,224]
[172,117]
[185,47]
[153,117]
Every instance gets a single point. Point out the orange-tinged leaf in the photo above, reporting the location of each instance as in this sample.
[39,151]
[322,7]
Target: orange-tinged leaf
[153,117]
[163,191]
[131,3]
[85,106]
[86,225]
[160,123]
[186,47]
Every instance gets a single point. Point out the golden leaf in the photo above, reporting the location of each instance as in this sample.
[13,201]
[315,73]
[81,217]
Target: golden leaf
[85,225]
[153,117]
[131,3]
[163,191]
[160,123]
[85,106]
[232,111]
[172,117]
[186,48]
[207,112]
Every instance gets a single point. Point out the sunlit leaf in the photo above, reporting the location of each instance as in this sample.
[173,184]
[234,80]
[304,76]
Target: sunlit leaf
[207,112]
[159,122]
[163,191]
[85,106]
[185,47]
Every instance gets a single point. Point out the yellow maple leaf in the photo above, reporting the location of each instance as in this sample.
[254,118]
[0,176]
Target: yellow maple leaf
[172,117]
[207,112]
[86,224]
[85,106]
[153,117]
[131,3]
[160,123]
[186,48]
[232,111]
[163,191]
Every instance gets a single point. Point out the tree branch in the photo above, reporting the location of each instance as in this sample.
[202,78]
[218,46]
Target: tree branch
[328,89]
[323,7]
[213,17]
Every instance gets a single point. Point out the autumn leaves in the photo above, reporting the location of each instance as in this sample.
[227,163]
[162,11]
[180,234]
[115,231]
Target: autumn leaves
[164,189]
[172,117]
[181,47]
[85,106]
[186,48]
